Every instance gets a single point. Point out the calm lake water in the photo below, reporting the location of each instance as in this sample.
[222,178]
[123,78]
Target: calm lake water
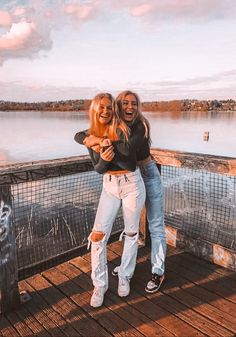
[30,136]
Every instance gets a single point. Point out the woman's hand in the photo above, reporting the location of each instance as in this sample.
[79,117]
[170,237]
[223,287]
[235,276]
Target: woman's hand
[92,140]
[96,148]
[105,142]
[108,154]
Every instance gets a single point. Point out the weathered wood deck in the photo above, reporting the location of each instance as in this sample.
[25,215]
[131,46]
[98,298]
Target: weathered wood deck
[197,299]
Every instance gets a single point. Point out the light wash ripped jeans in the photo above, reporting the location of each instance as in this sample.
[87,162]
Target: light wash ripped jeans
[155,215]
[127,190]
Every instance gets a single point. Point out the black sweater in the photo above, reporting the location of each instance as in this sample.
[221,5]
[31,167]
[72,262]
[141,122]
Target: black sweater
[126,152]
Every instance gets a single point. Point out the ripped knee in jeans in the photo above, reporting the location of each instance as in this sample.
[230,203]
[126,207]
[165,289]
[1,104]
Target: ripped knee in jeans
[97,236]
[130,234]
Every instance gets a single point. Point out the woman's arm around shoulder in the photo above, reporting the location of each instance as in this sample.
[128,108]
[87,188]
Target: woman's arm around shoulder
[80,136]
[134,142]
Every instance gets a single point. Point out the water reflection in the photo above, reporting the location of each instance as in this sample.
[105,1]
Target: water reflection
[44,114]
[35,135]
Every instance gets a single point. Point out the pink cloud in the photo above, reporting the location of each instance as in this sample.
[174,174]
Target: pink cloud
[141,10]
[5,18]
[24,39]
[80,12]
[19,11]
[18,36]
[188,10]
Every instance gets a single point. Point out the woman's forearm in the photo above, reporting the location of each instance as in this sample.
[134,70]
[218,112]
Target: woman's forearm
[92,140]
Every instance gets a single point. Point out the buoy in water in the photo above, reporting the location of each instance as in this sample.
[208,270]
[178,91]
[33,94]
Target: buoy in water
[206,136]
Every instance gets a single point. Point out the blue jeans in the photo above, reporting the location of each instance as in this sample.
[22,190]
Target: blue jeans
[155,215]
[127,190]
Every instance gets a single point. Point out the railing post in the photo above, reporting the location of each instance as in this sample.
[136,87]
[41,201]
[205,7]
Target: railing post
[10,297]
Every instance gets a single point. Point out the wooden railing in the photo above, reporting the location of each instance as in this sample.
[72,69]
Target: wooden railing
[11,175]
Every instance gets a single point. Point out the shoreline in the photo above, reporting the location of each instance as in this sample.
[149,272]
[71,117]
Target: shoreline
[155,106]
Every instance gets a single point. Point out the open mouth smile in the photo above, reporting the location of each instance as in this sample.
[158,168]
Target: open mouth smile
[105,116]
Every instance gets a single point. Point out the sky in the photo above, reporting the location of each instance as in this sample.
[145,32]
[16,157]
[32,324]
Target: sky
[161,49]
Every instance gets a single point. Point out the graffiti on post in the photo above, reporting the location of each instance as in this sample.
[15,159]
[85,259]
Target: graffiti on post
[5,212]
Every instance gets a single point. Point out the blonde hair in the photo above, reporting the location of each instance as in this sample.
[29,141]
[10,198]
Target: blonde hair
[119,100]
[109,130]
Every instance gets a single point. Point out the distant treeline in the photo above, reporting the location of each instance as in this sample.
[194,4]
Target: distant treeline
[68,105]
[83,104]
[190,105]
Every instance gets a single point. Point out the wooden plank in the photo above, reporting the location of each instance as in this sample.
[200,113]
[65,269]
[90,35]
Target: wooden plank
[32,171]
[156,313]
[6,329]
[224,322]
[49,319]
[8,264]
[188,283]
[181,310]
[19,325]
[222,286]
[121,308]
[172,287]
[210,266]
[41,164]
[50,168]
[195,161]
[26,317]
[81,296]
[72,315]
[219,308]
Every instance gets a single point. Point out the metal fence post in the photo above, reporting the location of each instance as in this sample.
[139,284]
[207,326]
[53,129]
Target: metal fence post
[10,297]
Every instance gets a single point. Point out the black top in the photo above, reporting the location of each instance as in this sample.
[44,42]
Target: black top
[143,151]
[126,152]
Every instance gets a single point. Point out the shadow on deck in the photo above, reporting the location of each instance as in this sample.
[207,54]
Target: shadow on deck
[196,299]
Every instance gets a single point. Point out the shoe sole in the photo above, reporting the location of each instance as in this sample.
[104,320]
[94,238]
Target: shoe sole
[121,295]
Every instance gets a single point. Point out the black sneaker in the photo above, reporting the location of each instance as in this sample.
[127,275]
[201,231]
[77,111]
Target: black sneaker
[155,283]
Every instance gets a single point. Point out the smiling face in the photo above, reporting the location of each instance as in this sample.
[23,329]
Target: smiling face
[129,108]
[105,112]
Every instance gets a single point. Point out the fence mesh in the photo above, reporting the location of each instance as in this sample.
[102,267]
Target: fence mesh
[202,204]
[54,216]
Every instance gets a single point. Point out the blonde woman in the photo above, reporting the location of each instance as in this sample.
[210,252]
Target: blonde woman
[122,185]
[129,110]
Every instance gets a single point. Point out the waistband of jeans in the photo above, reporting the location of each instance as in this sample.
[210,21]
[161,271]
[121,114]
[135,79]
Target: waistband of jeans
[144,161]
[117,173]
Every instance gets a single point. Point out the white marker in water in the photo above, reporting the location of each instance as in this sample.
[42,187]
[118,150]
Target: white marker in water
[206,136]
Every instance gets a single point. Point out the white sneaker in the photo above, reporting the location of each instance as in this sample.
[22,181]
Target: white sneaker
[123,287]
[115,271]
[97,297]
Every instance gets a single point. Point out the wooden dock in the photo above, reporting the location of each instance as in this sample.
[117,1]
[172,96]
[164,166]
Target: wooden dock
[196,299]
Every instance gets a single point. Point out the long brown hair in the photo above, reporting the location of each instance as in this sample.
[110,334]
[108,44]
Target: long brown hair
[109,130]
[119,100]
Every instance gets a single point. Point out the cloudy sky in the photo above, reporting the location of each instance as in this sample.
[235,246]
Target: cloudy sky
[162,49]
